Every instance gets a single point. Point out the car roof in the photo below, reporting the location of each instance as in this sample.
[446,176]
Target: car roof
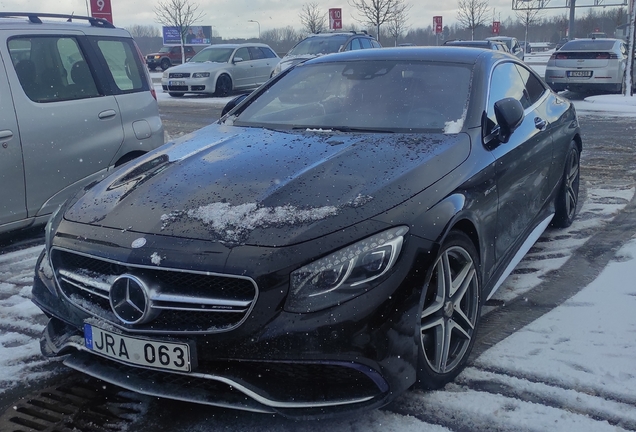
[231,45]
[339,33]
[449,54]
[480,43]
[53,23]
[500,38]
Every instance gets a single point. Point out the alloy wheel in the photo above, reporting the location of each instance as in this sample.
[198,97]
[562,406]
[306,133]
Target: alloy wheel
[450,311]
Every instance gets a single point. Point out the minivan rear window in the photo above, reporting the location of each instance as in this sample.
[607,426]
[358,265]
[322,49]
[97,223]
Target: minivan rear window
[120,58]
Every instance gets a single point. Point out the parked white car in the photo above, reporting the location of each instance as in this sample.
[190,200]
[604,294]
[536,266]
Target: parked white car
[221,69]
[588,65]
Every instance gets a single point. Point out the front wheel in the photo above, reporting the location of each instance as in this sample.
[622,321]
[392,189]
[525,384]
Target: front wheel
[165,64]
[568,195]
[449,313]
[223,86]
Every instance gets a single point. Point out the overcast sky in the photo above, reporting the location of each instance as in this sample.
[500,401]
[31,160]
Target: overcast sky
[230,17]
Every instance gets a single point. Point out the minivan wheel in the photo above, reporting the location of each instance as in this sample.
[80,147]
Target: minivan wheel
[223,85]
[165,64]
[567,197]
[450,309]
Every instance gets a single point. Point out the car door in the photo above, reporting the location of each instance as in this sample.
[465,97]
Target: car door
[12,192]
[69,130]
[260,67]
[242,68]
[523,164]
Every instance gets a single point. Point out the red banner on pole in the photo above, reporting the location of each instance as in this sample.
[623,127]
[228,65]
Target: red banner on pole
[495,27]
[335,19]
[437,23]
[102,9]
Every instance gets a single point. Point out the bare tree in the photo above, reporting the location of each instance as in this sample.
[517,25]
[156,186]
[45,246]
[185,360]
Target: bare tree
[472,14]
[397,24]
[531,15]
[180,14]
[138,31]
[378,12]
[312,18]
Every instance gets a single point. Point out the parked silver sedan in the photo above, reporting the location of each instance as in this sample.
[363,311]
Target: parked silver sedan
[221,69]
[588,65]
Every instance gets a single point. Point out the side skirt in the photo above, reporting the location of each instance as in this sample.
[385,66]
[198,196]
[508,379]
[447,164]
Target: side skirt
[523,250]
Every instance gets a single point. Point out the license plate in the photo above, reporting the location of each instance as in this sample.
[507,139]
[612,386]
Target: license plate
[579,74]
[176,83]
[138,351]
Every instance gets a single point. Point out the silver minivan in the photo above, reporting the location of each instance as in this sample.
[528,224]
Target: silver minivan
[76,100]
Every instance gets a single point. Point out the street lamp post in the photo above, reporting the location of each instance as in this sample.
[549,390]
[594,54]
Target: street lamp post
[259,27]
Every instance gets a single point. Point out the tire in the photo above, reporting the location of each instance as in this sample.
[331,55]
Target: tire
[450,308]
[165,64]
[223,85]
[567,197]
[176,94]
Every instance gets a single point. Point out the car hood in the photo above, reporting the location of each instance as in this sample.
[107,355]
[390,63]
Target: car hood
[197,67]
[267,188]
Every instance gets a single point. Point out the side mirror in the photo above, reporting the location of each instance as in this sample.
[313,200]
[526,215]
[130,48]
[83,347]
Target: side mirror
[231,104]
[237,59]
[509,114]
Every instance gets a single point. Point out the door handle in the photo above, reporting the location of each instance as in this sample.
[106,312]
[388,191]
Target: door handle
[540,124]
[6,134]
[107,114]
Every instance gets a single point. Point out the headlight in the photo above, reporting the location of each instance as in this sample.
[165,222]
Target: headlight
[165,74]
[344,274]
[201,75]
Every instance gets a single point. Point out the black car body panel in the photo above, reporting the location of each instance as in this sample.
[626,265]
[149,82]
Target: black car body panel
[219,230]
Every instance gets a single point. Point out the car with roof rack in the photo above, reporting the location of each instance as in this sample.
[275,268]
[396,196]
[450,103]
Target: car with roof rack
[319,44]
[77,101]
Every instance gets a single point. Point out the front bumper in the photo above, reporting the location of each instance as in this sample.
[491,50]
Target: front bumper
[358,355]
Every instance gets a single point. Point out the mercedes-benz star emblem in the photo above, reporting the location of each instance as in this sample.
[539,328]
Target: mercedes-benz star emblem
[129,299]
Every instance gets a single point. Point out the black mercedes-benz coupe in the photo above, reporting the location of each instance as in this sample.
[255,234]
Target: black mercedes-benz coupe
[325,245]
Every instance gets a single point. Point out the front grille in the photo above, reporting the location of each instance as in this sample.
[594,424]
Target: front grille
[178,88]
[178,75]
[198,88]
[181,301]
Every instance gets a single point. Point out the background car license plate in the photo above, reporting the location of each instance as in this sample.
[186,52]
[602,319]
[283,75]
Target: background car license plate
[177,83]
[579,74]
[143,352]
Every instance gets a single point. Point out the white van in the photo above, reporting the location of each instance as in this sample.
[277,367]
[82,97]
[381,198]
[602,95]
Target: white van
[76,100]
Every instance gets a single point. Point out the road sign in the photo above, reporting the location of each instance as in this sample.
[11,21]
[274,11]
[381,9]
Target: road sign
[437,23]
[495,27]
[102,9]
[335,19]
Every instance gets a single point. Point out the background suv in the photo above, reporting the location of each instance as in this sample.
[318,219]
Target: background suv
[325,43]
[75,101]
[512,43]
[168,56]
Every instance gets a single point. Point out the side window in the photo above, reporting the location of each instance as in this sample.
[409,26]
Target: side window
[366,43]
[534,87]
[242,53]
[355,44]
[375,44]
[268,53]
[175,50]
[256,53]
[52,69]
[189,50]
[123,64]
[506,82]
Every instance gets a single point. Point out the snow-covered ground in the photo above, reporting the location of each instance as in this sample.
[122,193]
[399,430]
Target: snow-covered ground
[573,369]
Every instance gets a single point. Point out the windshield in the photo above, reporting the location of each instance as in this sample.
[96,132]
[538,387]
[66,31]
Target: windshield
[216,55]
[383,96]
[165,49]
[315,45]
[588,45]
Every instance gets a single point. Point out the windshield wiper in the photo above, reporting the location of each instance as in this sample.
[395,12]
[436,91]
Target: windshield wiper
[342,129]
